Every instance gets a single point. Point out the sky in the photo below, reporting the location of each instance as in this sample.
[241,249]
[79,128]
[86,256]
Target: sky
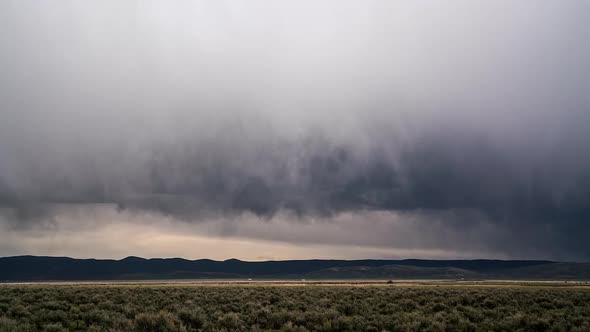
[267,130]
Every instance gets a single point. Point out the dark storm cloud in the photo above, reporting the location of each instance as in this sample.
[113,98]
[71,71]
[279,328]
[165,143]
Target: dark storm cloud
[330,180]
[207,109]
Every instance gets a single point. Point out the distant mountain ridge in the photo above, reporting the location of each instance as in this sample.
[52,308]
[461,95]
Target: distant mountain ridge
[38,268]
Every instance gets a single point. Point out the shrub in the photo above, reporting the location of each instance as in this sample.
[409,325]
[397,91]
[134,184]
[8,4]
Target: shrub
[54,327]
[317,308]
[156,322]
[194,318]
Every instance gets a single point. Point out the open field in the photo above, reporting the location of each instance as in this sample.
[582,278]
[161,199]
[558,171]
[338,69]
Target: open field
[213,305]
[306,282]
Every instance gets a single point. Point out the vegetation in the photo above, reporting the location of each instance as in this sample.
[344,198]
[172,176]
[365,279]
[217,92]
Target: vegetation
[302,308]
[31,268]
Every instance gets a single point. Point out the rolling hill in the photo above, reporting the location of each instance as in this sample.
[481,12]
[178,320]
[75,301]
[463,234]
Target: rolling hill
[38,268]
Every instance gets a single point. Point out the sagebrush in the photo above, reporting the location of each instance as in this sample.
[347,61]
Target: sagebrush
[303,308]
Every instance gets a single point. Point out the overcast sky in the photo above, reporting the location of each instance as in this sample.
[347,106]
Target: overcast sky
[295,129]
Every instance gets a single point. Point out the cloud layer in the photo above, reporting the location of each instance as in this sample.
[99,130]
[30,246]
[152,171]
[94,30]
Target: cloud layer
[463,122]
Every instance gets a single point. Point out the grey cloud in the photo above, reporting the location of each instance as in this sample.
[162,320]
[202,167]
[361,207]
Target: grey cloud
[204,109]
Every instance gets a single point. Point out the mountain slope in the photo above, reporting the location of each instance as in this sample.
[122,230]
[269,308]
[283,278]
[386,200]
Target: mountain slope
[63,268]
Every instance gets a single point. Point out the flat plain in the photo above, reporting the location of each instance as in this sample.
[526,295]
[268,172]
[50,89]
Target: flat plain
[296,305]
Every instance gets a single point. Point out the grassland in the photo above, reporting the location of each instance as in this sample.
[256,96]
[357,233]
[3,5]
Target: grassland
[296,306]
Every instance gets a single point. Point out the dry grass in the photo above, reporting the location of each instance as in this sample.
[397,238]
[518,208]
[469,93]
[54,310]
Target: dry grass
[300,283]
